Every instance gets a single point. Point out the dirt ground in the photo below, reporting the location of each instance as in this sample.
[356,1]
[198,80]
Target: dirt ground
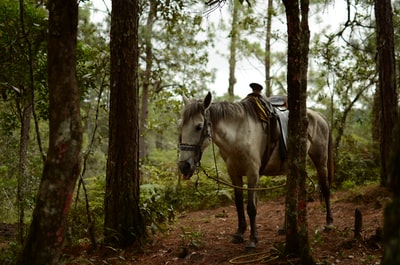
[203,237]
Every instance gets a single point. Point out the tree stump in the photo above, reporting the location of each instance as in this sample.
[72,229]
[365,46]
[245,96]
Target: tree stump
[357,224]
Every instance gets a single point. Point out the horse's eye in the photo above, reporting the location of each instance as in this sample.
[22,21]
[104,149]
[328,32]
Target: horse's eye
[199,127]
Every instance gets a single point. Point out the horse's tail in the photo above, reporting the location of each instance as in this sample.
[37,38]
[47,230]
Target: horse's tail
[331,161]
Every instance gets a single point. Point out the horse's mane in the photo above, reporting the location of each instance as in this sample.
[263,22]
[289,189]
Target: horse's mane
[222,110]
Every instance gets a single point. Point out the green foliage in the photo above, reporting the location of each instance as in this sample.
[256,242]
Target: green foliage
[9,254]
[274,186]
[172,194]
[79,226]
[156,210]
[162,196]
[356,164]
[17,50]
[8,214]
[191,238]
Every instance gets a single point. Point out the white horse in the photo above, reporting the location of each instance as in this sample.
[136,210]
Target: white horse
[249,148]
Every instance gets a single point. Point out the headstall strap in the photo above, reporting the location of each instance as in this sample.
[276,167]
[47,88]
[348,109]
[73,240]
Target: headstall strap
[189,147]
[206,133]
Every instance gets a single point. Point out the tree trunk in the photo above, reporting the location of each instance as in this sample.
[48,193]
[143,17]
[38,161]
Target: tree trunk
[26,114]
[391,236]
[387,80]
[25,118]
[147,79]
[267,59]
[62,167]
[123,224]
[296,204]
[376,109]
[233,46]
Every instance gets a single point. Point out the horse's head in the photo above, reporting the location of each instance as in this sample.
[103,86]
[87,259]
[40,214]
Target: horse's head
[195,134]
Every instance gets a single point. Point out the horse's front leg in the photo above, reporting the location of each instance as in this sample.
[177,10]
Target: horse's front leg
[252,212]
[238,237]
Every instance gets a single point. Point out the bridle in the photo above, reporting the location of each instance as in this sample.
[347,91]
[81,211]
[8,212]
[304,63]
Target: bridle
[205,134]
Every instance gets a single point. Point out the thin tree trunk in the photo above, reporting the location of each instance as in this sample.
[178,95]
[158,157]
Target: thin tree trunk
[26,114]
[233,47]
[304,247]
[296,205]
[267,59]
[147,79]
[25,118]
[376,109]
[62,167]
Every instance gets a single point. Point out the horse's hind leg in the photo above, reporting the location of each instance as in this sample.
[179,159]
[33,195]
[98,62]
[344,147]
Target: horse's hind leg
[320,163]
[324,186]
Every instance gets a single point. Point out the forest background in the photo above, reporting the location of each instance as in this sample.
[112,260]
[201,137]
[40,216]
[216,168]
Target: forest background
[174,60]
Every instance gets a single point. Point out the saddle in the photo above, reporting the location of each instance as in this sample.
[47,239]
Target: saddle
[272,107]
[279,101]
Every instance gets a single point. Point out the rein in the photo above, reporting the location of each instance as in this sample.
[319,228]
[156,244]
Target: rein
[218,180]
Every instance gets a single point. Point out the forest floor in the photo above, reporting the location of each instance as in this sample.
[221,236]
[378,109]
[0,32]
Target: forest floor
[203,237]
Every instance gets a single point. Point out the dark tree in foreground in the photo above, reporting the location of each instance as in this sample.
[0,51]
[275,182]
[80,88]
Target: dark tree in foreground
[296,201]
[62,166]
[387,80]
[123,224]
[392,211]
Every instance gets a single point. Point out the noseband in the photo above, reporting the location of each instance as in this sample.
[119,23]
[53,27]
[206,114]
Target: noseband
[205,134]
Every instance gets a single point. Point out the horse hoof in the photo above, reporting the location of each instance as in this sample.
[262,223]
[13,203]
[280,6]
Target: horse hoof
[251,245]
[237,239]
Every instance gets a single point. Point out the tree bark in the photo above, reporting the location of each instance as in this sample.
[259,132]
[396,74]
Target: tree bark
[387,80]
[147,79]
[26,113]
[391,235]
[233,47]
[376,109]
[62,166]
[296,204]
[123,224]
[25,118]
[267,59]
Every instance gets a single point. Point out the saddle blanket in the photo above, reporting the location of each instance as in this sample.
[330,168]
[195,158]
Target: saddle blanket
[283,120]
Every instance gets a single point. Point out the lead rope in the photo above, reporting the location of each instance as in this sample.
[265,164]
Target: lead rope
[220,181]
[263,257]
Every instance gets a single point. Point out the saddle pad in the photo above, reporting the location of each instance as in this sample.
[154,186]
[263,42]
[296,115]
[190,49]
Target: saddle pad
[283,119]
[277,100]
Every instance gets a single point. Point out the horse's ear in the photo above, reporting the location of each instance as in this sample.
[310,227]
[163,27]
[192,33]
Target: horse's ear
[185,100]
[207,100]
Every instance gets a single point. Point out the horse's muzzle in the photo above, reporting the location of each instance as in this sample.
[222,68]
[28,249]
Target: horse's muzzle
[187,168]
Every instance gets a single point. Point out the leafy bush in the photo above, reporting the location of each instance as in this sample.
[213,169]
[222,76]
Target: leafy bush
[355,163]
[79,227]
[8,255]
[155,209]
